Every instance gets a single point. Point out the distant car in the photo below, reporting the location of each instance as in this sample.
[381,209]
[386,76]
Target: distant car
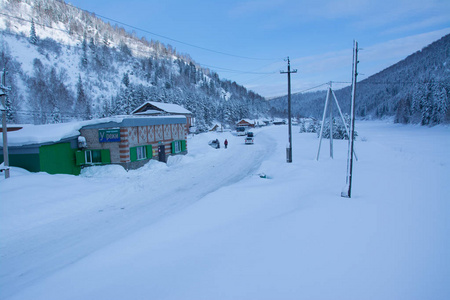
[214,143]
[249,140]
[250,134]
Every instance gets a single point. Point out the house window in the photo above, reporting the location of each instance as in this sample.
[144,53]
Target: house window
[177,146]
[93,156]
[140,152]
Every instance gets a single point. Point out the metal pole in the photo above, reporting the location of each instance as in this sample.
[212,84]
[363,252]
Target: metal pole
[4,127]
[343,121]
[331,126]
[289,147]
[323,121]
[348,192]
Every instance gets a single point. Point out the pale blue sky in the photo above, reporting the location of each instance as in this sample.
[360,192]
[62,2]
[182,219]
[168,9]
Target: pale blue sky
[316,35]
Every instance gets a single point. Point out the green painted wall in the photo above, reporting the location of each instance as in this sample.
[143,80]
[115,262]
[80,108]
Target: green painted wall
[28,162]
[58,159]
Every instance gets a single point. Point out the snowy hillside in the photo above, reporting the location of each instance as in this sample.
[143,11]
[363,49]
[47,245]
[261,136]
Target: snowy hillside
[66,64]
[208,226]
[414,90]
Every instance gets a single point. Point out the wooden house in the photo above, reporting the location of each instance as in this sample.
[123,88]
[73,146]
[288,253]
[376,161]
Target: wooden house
[245,123]
[152,108]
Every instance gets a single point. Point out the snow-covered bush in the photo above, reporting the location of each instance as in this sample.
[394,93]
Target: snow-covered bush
[339,131]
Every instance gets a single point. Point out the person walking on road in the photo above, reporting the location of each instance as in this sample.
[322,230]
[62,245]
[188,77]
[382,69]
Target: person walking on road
[225,143]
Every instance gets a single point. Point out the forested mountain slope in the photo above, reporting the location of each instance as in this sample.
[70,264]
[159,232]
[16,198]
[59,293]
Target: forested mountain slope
[64,64]
[416,90]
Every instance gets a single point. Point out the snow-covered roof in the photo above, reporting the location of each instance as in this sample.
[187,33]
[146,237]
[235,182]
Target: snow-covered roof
[38,134]
[148,112]
[215,127]
[153,107]
[31,134]
[246,120]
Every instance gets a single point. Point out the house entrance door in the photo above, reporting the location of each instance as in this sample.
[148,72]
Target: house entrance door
[162,153]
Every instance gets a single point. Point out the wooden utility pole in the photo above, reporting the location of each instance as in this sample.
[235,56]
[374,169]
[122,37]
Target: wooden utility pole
[289,146]
[3,90]
[347,192]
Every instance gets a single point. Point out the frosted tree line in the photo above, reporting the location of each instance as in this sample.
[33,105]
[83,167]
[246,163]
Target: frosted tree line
[113,73]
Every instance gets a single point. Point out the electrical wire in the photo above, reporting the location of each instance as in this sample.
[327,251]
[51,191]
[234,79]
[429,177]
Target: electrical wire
[25,20]
[171,39]
[403,82]
[312,88]
[139,50]
[258,78]
[235,71]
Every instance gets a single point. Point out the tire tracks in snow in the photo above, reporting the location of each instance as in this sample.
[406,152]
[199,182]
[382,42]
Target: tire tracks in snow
[135,202]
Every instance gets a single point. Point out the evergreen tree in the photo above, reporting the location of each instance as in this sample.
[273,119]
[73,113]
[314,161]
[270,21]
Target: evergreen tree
[82,105]
[302,126]
[403,111]
[105,109]
[126,80]
[33,36]
[92,45]
[312,127]
[124,49]
[123,101]
[55,116]
[440,106]
[426,105]
[9,115]
[339,131]
[106,40]
[84,58]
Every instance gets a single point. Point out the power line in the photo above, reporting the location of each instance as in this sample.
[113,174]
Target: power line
[236,71]
[258,78]
[403,82]
[22,19]
[312,88]
[139,50]
[345,82]
[171,39]
[379,82]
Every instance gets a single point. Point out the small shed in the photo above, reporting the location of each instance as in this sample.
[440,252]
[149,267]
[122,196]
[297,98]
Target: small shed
[216,127]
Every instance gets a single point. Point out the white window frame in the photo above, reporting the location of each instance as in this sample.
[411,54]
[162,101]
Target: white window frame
[141,153]
[177,145]
[88,156]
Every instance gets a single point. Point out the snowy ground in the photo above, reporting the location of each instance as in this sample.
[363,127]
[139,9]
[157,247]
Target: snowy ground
[207,226]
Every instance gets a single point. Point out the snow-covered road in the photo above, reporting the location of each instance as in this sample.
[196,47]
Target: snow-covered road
[79,215]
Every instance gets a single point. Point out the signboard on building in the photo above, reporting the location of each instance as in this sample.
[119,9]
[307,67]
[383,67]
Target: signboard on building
[109,135]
